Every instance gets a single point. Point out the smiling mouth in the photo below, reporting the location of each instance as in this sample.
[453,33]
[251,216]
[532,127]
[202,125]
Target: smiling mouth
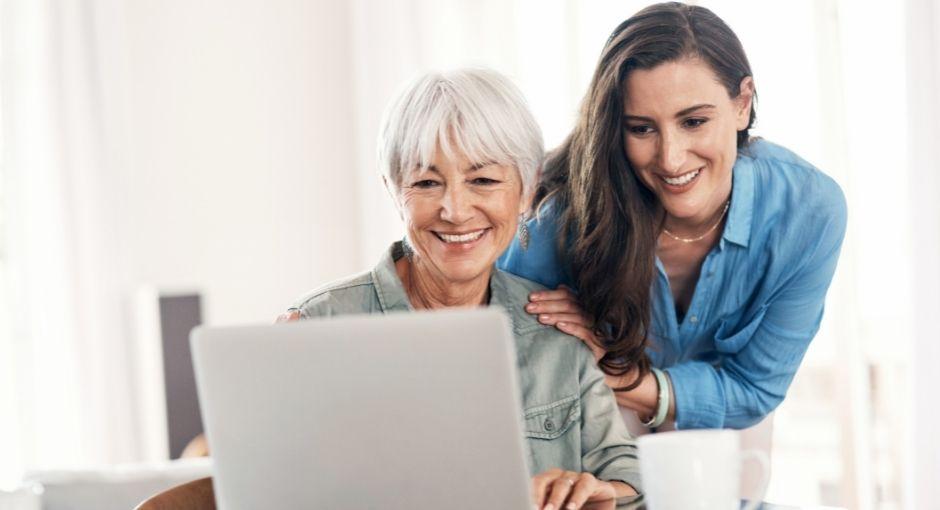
[467,237]
[683,179]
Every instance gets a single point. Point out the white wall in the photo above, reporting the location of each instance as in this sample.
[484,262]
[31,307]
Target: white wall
[234,163]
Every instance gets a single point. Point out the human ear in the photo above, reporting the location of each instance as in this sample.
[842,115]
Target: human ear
[528,196]
[743,103]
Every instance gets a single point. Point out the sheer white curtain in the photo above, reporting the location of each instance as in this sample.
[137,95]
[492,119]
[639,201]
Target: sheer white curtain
[923,74]
[179,144]
[64,383]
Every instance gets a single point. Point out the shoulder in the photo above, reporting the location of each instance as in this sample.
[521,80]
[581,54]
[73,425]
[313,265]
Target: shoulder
[783,178]
[541,342]
[778,167]
[511,292]
[515,292]
[352,294]
[518,286]
[799,212]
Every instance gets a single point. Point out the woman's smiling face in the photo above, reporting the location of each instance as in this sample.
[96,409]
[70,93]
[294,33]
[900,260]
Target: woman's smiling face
[460,215]
[680,134]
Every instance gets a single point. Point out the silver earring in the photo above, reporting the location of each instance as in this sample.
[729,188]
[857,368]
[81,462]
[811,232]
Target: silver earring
[523,233]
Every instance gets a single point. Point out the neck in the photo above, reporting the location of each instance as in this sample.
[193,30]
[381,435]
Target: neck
[426,289]
[698,224]
[690,227]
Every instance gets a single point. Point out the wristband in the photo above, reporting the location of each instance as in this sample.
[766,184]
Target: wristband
[662,400]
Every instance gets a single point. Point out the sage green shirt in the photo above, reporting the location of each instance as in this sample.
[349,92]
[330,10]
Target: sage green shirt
[571,418]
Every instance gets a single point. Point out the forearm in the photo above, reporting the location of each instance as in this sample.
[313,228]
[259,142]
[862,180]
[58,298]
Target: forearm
[727,397]
[644,398]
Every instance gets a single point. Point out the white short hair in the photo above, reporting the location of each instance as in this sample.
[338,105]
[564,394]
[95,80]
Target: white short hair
[477,113]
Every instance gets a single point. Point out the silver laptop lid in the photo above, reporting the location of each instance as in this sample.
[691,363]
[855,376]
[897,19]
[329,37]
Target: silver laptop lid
[415,410]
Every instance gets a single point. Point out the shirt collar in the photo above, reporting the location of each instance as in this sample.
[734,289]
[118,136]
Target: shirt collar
[391,293]
[392,297]
[741,210]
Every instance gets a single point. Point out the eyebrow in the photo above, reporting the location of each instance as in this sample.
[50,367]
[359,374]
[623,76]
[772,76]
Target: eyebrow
[680,113]
[472,168]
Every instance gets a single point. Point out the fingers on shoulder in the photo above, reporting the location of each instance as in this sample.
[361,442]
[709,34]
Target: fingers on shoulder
[560,294]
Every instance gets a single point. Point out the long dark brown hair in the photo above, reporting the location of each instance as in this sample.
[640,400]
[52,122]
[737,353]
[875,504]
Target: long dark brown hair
[609,219]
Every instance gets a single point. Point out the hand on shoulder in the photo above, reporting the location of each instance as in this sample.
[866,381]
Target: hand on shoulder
[560,308]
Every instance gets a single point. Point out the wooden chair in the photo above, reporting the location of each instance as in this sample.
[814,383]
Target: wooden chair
[195,495]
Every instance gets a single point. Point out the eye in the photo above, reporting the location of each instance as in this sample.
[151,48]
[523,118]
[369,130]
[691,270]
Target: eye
[694,122]
[484,181]
[424,184]
[639,129]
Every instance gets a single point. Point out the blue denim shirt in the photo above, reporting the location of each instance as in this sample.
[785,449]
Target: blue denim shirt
[759,297]
[570,416]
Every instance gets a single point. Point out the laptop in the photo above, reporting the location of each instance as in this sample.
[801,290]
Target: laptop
[399,411]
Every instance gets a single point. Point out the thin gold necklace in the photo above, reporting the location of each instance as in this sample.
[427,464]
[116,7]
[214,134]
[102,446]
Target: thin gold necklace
[703,236]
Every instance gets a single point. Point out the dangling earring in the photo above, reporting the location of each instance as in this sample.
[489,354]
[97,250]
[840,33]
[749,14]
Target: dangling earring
[523,233]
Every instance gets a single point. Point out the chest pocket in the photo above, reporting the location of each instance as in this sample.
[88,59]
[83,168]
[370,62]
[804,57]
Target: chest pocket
[733,333]
[550,421]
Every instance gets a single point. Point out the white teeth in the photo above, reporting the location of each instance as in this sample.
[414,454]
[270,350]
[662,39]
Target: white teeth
[462,238]
[682,179]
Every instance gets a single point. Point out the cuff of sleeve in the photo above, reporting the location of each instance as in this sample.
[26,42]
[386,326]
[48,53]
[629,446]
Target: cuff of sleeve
[700,399]
[631,478]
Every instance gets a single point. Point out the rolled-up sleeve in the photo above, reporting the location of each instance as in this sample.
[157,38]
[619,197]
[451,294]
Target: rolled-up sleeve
[744,387]
[607,449]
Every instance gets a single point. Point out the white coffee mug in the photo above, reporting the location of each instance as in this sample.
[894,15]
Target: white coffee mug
[697,470]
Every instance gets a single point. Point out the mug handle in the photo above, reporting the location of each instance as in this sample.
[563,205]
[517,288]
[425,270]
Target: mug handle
[764,462]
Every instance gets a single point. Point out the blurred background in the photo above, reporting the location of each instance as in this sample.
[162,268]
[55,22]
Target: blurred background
[225,149]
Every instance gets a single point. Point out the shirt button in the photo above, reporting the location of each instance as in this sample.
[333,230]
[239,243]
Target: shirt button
[710,274]
[693,319]
[549,425]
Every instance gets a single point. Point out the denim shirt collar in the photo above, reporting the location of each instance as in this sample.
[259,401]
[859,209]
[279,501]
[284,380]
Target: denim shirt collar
[741,210]
[392,296]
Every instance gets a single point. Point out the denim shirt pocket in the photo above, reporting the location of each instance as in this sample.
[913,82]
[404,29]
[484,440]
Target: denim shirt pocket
[733,332]
[551,421]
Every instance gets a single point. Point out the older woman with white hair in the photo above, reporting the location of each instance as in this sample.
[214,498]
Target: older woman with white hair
[460,154]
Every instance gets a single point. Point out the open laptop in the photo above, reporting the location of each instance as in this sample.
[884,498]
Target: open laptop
[400,411]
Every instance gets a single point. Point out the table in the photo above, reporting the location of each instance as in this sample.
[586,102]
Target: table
[199,495]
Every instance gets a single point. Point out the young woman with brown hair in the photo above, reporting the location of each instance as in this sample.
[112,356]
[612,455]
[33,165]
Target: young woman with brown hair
[699,257]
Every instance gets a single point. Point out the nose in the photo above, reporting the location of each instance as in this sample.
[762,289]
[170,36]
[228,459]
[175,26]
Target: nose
[672,152]
[457,205]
